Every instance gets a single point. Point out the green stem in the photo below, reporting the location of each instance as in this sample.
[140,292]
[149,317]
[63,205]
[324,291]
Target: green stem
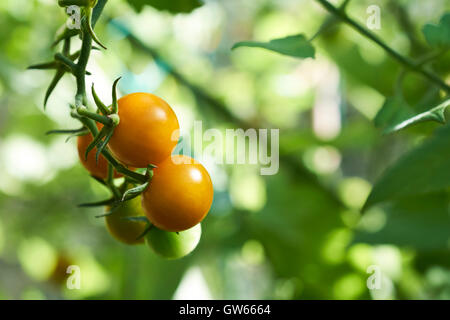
[66,3]
[90,28]
[86,46]
[69,33]
[394,54]
[110,181]
[43,66]
[66,61]
[80,97]
[66,47]
[328,22]
[104,109]
[82,111]
[115,107]
[325,26]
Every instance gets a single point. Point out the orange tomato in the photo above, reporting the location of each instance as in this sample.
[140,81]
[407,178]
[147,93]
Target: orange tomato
[98,169]
[179,195]
[148,130]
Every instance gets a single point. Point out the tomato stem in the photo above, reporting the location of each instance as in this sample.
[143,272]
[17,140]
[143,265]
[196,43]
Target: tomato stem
[66,3]
[63,62]
[66,62]
[115,107]
[100,105]
[90,28]
[82,111]
[110,182]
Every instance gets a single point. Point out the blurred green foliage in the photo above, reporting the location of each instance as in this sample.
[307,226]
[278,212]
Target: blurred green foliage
[298,234]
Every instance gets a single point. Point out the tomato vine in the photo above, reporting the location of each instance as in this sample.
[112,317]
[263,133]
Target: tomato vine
[118,147]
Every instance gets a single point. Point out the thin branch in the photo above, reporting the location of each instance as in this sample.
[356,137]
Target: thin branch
[406,24]
[80,97]
[409,64]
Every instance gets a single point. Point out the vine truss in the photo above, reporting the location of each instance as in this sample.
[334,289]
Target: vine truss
[107,116]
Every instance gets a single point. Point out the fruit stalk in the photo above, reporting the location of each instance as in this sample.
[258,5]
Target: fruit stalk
[81,100]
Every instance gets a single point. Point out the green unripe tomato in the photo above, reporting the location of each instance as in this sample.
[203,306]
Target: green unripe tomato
[124,230]
[172,245]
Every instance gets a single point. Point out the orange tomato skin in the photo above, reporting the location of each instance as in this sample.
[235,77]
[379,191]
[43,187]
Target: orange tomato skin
[148,130]
[179,196]
[98,169]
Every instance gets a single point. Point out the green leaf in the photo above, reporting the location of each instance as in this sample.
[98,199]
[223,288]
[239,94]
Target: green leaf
[394,110]
[96,141]
[438,35]
[98,203]
[67,131]
[58,75]
[173,6]
[100,105]
[77,134]
[136,219]
[420,222]
[396,114]
[90,27]
[134,192]
[146,230]
[113,209]
[436,114]
[295,46]
[44,66]
[102,145]
[114,106]
[104,214]
[424,169]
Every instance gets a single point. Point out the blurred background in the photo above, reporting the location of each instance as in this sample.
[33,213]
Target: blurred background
[298,234]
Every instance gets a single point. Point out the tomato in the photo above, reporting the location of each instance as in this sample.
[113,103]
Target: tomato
[98,169]
[124,230]
[179,195]
[172,245]
[148,130]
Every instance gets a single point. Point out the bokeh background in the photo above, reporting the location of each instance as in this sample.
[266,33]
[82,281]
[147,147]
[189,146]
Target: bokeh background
[298,234]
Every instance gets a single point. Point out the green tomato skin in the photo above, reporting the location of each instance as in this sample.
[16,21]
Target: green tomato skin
[172,245]
[124,230]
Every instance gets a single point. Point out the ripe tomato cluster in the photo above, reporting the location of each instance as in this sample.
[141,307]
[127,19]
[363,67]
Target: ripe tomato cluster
[179,193]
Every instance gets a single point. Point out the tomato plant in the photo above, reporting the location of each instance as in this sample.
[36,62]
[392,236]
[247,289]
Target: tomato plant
[347,185]
[139,130]
[179,195]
